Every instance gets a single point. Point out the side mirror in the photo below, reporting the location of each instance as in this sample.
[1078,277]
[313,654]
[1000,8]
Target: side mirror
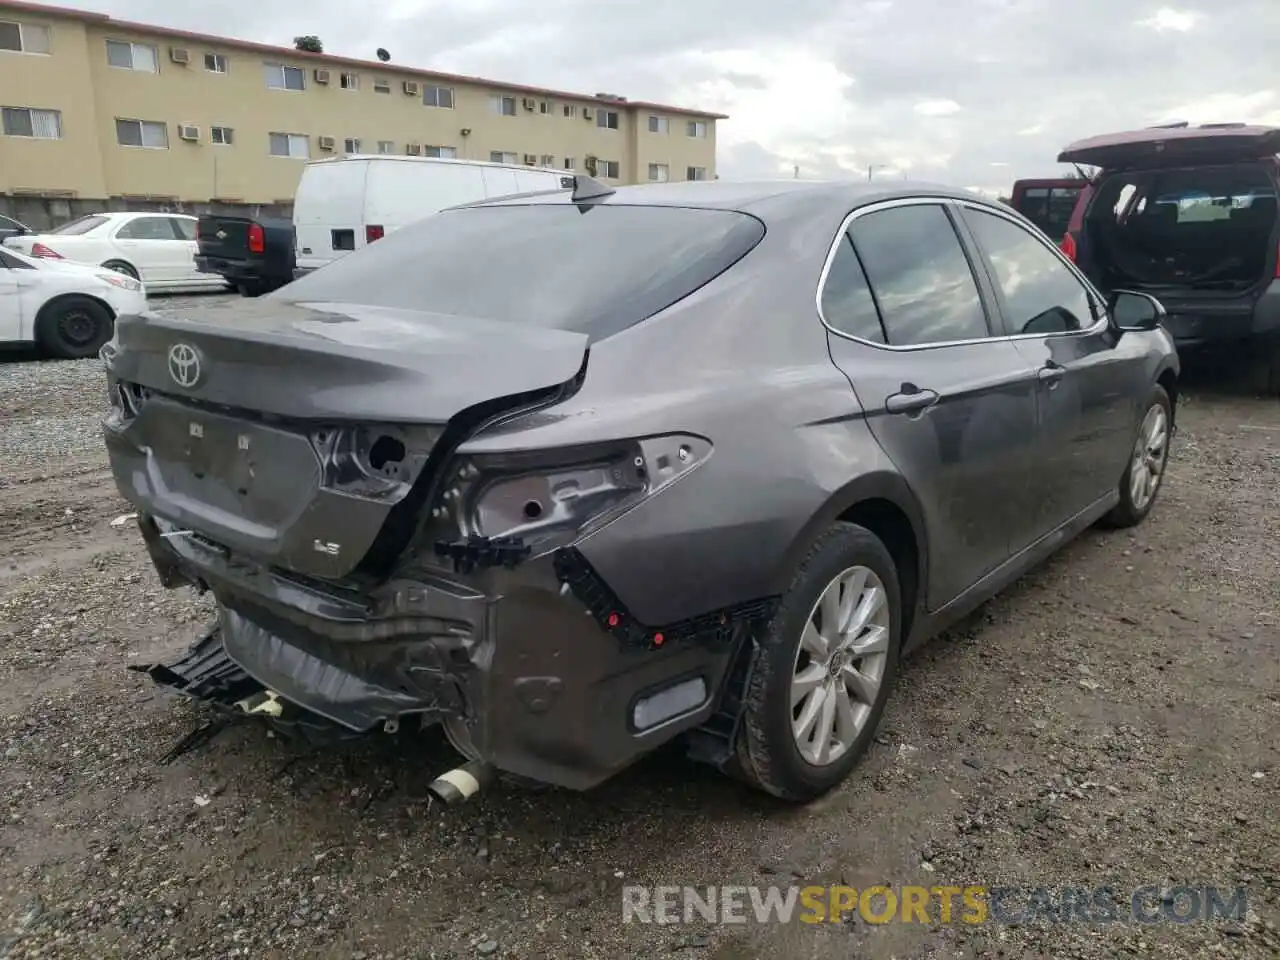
[1131,310]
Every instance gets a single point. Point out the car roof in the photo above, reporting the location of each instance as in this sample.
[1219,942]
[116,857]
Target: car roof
[751,195]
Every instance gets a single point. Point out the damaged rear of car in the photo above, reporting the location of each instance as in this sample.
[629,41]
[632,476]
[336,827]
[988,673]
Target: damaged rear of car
[370,471]
[1188,214]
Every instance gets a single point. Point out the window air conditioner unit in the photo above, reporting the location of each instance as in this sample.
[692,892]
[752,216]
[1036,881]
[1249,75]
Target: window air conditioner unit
[588,113]
[528,103]
[179,55]
[413,149]
[322,76]
[530,160]
[326,143]
[411,88]
[187,132]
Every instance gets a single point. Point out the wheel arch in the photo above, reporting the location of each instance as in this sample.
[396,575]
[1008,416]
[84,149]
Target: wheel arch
[883,503]
[127,263]
[1168,378]
[56,299]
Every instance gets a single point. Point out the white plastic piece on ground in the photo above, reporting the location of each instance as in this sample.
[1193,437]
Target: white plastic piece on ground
[124,518]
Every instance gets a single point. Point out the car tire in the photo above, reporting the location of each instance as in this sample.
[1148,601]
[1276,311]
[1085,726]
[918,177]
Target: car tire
[119,266]
[1134,504]
[769,750]
[250,288]
[73,328]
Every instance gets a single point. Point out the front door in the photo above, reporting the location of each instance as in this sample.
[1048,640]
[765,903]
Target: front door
[952,405]
[1086,380]
[10,302]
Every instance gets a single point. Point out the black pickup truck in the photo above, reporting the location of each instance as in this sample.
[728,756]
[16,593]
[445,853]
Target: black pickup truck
[254,255]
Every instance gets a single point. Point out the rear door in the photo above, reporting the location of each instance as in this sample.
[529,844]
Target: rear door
[184,228]
[1086,384]
[951,402]
[153,246]
[10,302]
[328,210]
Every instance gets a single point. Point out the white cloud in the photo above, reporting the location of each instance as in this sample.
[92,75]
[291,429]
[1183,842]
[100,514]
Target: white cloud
[1167,19]
[936,108]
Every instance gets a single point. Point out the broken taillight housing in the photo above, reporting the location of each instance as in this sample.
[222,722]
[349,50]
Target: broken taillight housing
[549,499]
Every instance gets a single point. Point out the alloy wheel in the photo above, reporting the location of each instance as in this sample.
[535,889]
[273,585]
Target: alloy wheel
[1146,469]
[840,665]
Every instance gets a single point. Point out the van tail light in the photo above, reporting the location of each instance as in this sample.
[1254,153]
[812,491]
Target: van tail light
[40,250]
[1068,247]
[257,238]
[372,232]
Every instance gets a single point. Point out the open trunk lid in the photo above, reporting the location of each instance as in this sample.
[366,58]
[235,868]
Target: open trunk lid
[1168,146]
[257,429]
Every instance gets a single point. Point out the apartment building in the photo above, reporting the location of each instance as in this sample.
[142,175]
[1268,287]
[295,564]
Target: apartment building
[94,107]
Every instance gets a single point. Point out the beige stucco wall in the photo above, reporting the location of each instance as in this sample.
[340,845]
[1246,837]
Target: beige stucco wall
[77,80]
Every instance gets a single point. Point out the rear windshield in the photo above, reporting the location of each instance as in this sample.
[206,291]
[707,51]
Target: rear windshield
[595,270]
[1049,208]
[82,225]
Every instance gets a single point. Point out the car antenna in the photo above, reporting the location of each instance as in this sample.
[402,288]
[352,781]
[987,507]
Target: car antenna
[588,188]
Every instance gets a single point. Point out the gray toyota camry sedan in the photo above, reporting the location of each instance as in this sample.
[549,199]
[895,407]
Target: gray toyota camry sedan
[572,474]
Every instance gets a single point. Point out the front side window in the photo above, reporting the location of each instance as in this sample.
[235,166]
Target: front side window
[1041,295]
[132,56]
[152,134]
[184,229]
[596,272]
[30,122]
[281,77]
[919,275]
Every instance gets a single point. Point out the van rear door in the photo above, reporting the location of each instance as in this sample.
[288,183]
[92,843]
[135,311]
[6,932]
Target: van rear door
[328,210]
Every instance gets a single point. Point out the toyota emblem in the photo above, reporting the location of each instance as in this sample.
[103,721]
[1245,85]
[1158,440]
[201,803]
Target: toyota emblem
[184,365]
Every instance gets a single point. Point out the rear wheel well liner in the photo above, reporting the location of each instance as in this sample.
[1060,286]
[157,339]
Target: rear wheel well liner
[1168,378]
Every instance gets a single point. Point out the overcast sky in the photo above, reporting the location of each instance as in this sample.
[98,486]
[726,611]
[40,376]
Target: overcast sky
[969,92]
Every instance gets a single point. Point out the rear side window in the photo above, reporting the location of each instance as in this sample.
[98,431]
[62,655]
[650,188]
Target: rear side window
[847,304]
[920,276]
[595,270]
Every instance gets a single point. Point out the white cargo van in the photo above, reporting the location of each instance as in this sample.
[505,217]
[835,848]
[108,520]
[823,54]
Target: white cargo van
[345,203]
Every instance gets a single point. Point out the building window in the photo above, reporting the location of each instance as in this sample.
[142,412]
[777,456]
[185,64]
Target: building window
[441,153]
[498,156]
[569,162]
[386,146]
[658,124]
[608,168]
[438,97]
[280,77]
[570,110]
[696,173]
[29,122]
[659,173]
[548,160]
[382,86]
[607,119]
[151,134]
[296,146]
[215,63]
[544,107]
[23,37]
[349,81]
[351,145]
[505,106]
[697,128]
[132,56]
[224,136]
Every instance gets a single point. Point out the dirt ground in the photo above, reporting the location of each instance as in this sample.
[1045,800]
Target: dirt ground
[1114,718]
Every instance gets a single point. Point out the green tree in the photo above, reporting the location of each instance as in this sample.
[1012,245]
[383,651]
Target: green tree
[310,43]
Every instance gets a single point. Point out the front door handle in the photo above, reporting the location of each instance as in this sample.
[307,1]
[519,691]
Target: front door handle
[1050,374]
[911,399]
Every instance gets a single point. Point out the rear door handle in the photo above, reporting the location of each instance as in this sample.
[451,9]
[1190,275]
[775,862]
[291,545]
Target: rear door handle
[1050,374]
[911,399]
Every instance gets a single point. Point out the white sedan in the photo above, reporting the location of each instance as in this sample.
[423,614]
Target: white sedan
[157,248]
[69,309]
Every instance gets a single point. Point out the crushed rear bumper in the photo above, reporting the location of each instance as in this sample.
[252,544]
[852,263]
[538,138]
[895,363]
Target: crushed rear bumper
[519,665]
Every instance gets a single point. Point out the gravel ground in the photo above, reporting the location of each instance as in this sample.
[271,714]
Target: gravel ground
[1113,718]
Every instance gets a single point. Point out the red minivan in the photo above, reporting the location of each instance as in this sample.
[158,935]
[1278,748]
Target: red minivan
[1188,215]
[1048,203]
